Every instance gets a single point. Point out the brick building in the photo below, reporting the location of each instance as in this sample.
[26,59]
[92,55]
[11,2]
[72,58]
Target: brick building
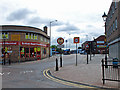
[113,30]
[100,44]
[97,45]
[23,43]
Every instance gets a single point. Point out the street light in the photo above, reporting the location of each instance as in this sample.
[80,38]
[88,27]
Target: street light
[4,50]
[104,16]
[50,34]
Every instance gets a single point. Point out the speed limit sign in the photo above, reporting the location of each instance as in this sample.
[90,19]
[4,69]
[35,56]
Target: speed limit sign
[76,40]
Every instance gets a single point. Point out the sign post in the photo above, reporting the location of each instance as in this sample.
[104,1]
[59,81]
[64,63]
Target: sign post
[76,40]
[60,41]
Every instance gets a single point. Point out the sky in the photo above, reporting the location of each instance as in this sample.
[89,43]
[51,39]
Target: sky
[75,18]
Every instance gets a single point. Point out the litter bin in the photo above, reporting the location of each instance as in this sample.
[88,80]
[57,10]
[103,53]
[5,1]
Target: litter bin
[115,63]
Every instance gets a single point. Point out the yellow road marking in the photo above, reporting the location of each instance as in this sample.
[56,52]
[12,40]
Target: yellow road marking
[65,82]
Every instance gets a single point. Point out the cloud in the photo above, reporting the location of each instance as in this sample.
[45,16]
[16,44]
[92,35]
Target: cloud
[20,14]
[69,28]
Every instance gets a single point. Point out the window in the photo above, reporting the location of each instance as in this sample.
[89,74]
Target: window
[27,36]
[115,4]
[27,52]
[112,9]
[31,36]
[41,38]
[31,52]
[5,34]
[113,26]
[45,39]
[22,52]
[35,36]
[116,23]
[0,35]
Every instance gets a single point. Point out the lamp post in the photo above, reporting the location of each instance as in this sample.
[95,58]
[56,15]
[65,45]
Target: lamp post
[50,35]
[104,16]
[4,62]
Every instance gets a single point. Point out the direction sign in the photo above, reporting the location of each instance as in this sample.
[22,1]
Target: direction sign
[60,41]
[76,40]
[60,46]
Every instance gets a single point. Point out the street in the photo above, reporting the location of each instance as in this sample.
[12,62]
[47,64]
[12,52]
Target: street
[30,74]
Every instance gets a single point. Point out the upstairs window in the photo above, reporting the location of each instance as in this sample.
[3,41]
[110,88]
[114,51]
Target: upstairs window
[27,36]
[35,36]
[116,23]
[4,35]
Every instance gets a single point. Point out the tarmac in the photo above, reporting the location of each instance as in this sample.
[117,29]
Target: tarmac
[89,74]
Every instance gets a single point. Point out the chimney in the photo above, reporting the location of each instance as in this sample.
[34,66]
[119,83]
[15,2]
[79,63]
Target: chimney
[45,29]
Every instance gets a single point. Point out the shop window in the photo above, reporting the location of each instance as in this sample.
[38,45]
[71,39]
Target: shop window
[44,50]
[22,52]
[35,52]
[27,52]
[31,52]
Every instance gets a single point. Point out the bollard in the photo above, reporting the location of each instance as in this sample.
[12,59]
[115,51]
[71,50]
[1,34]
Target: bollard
[9,61]
[57,65]
[87,57]
[103,71]
[61,61]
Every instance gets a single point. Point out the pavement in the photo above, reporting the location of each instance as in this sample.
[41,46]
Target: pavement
[89,74]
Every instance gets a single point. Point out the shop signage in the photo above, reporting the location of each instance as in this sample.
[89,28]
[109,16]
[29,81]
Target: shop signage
[9,43]
[33,44]
[15,37]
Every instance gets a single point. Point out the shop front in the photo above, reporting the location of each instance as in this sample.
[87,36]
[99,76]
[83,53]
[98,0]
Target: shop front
[23,51]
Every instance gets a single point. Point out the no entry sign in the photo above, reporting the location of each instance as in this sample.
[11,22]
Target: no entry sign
[76,40]
[60,41]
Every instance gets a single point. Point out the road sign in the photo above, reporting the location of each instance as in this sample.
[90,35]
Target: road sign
[60,46]
[60,41]
[76,40]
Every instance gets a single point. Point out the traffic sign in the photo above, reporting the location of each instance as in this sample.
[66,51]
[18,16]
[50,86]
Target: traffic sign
[60,41]
[60,46]
[76,40]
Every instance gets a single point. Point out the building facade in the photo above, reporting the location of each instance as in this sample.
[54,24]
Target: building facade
[112,30]
[23,43]
[100,44]
[97,45]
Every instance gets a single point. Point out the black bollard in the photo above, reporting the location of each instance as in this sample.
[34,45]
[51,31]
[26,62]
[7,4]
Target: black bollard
[60,61]
[9,61]
[57,65]
[87,57]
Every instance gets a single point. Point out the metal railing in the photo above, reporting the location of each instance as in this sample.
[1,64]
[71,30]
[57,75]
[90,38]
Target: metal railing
[112,71]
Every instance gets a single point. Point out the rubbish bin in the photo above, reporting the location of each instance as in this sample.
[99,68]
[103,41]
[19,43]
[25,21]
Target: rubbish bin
[115,63]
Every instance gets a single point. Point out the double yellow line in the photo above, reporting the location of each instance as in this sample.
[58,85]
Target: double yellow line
[45,73]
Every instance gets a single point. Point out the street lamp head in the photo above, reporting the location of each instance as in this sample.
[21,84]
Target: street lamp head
[104,16]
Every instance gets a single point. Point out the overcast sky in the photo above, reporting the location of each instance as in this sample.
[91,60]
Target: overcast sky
[76,18]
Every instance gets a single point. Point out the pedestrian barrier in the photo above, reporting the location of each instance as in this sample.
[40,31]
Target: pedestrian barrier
[112,71]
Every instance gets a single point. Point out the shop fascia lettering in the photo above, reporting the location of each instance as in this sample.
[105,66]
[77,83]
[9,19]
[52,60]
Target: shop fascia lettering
[23,43]
[33,44]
